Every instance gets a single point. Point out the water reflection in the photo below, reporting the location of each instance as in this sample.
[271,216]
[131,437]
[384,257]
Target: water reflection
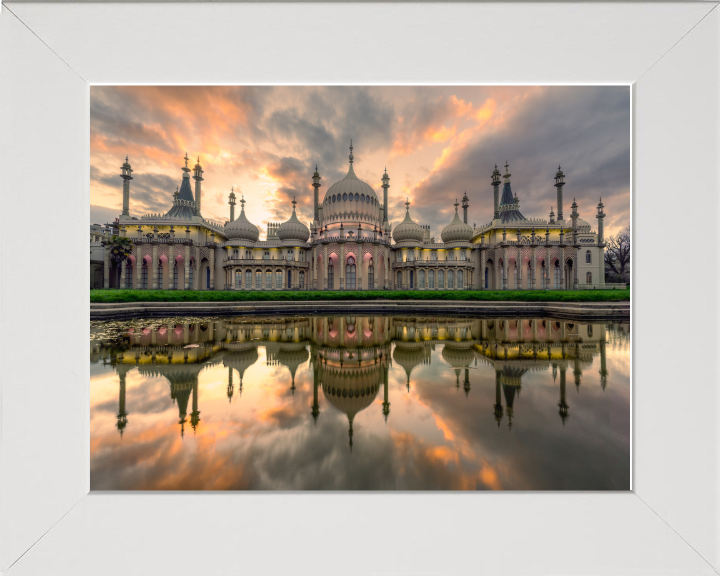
[336,367]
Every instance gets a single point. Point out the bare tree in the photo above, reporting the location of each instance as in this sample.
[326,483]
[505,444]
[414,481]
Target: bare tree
[617,255]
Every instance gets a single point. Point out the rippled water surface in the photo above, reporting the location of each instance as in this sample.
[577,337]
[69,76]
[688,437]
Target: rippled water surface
[359,403]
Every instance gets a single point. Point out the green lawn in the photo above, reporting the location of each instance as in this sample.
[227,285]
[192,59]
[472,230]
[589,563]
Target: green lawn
[305,295]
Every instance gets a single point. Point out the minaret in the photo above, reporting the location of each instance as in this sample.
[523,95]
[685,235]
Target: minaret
[198,172]
[552,216]
[601,228]
[126,176]
[316,186]
[385,186]
[231,201]
[559,183]
[574,216]
[496,192]
[466,384]
[465,204]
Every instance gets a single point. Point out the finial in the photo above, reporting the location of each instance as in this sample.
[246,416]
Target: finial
[407,205]
[186,159]
[242,203]
[126,158]
[456,205]
[315,167]
[351,154]
[293,203]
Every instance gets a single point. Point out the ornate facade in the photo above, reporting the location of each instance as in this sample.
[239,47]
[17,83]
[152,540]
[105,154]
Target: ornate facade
[350,245]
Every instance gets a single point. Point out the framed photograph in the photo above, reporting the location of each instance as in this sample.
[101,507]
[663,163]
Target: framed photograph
[208,148]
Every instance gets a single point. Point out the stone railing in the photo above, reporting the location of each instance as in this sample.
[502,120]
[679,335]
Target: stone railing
[264,262]
[432,263]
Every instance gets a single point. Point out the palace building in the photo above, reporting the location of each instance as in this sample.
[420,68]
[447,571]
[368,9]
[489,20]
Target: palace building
[350,245]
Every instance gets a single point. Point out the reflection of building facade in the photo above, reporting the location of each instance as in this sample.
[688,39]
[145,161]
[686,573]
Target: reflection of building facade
[351,357]
[348,245]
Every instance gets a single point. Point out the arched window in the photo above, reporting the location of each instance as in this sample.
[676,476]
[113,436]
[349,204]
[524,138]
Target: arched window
[433,255]
[235,254]
[289,279]
[238,279]
[451,280]
[431,279]
[278,279]
[421,279]
[350,271]
[302,280]
[331,275]
[543,275]
[175,276]
[143,276]
[557,275]
[487,273]
[412,279]
[410,257]
[441,279]
[371,275]
[588,277]
[398,256]
[190,276]
[345,197]
[460,284]
[516,271]
[268,280]
[258,280]
[207,278]
[248,280]
[588,257]
[160,274]
[128,275]
[357,197]
[399,280]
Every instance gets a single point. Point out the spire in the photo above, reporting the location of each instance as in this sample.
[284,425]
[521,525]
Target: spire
[351,154]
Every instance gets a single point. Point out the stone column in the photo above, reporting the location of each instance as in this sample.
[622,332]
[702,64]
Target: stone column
[187,267]
[505,269]
[106,267]
[122,274]
[342,266]
[171,267]
[154,266]
[212,269]
[326,262]
[531,283]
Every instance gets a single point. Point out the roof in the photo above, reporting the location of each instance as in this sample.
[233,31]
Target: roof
[507,199]
[185,193]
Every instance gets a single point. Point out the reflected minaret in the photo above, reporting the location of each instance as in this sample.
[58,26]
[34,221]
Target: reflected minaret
[466,384]
[195,414]
[230,387]
[350,432]
[603,365]
[498,400]
[316,406]
[122,413]
[577,372]
[386,404]
[563,404]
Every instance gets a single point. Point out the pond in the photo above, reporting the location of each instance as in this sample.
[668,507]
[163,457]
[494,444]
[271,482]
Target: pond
[359,403]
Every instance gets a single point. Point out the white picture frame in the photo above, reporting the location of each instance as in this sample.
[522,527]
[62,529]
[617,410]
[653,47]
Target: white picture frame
[50,54]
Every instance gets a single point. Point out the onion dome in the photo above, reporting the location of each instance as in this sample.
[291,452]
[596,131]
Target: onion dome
[293,229]
[408,229]
[351,199]
[241,228]
[457,230]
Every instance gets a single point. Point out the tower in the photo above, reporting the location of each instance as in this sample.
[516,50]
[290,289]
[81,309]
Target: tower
[559,183]
[496,192]
[386,403]
[465,204]
[231,201]
[316,186]
[385,186]
[563,404]
[126,176]
[197,176]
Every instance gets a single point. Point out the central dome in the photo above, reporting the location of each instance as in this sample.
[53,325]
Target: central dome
[242,228]
[351,200]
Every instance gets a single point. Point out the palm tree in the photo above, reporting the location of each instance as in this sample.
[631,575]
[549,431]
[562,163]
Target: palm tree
[120,249]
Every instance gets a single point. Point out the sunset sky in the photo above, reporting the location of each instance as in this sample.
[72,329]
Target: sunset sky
[436,142]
